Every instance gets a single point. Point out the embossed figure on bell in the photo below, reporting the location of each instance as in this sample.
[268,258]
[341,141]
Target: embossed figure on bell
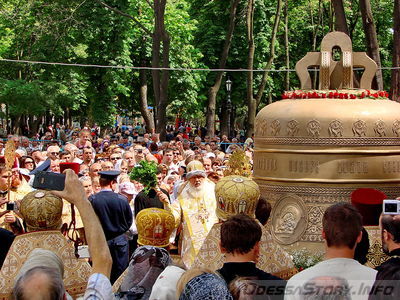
[318,144]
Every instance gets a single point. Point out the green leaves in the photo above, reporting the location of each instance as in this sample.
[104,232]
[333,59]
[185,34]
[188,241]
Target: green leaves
[145,173]
[77,31]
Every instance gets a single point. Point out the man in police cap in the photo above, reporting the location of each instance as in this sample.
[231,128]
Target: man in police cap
[116,218]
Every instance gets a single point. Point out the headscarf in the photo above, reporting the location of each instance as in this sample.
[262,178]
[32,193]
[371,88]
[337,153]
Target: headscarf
[147,262]
[207,286]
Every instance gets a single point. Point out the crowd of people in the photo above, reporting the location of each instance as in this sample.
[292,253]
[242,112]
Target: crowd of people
[199,233]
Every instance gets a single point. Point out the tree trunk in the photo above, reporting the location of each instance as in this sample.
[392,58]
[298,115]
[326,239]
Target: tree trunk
[257,99]
[395,86]
[287,75]
[159,58]
[16,125]
[233,122]
[35,125]
[340,16]
[331,17]
[371,40]
[160,78]
[223,124]
[316,27]
[213,91]
[251,103]
[143,103]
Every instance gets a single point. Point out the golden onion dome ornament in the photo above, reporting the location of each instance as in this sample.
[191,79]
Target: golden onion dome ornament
[238,164]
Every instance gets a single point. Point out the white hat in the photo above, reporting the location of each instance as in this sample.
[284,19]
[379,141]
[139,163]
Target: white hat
[195,168]
[127,187]
[210,154]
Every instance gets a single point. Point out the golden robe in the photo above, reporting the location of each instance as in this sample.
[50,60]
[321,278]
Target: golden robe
[67,215]
[196,211]
[273,258]
[76,271]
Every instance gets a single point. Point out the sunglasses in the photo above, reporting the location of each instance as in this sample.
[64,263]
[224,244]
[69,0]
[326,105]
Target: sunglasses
[54,153]
[3,193]
[114,158]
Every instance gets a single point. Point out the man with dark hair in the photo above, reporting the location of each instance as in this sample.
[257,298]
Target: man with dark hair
[387,280]
[115,217]
[263,211]
[240,242]
[168,159]
[341,230]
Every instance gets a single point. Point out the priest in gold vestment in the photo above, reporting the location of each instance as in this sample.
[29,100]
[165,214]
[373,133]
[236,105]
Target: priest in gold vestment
[41,212]
[239,195]
[195,210]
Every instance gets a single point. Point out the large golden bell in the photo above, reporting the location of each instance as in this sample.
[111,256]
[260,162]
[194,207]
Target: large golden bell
[312,153]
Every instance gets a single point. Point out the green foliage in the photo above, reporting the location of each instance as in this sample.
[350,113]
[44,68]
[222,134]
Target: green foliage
[145,173]
[77,31]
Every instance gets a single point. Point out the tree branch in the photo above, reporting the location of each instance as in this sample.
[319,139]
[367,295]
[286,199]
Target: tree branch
[116,10]
[271,53]
[150,4]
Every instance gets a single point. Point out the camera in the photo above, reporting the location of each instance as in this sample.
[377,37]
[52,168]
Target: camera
[49,181]
[391,207]
[10,206]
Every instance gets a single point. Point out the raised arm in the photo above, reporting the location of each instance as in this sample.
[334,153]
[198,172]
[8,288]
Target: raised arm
[99,252]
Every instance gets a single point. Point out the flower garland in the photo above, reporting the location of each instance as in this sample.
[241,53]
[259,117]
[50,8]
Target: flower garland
[367,94]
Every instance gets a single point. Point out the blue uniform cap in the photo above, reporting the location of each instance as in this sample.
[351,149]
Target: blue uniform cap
[110,175]
[45,166]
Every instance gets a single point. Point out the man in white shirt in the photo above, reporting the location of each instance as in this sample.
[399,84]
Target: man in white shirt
[339,274]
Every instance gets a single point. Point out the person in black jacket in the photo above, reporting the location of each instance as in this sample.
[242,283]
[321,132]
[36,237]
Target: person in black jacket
[151,199]
[116,218]
[6,238]
[240,242]
[387,284]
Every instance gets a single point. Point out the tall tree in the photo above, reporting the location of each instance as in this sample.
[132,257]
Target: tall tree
[160,58]
[251,103]
[395,85]
[371,40]
[340,16]
[254,101]
[286,37]
[213,90]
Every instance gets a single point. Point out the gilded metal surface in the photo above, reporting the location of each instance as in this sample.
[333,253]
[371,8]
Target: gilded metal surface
[375,255]
[289,219]
[314,199]
[312,153]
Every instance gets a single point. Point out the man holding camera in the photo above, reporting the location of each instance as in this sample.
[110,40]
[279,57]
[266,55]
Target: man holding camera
[387,285]
[8,218]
